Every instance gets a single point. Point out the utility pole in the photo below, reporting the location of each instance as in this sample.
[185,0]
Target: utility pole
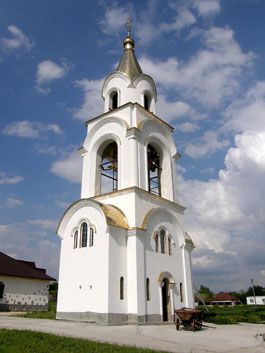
[253,290]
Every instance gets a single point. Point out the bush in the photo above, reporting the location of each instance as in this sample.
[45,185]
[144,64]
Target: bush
[236,314]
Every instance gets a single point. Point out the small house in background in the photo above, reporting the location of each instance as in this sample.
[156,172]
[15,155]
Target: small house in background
[224,299]
[23,286]
[260,300]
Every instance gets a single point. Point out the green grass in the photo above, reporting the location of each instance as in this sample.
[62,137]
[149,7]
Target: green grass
[15,341]
[50,314]
[234,315]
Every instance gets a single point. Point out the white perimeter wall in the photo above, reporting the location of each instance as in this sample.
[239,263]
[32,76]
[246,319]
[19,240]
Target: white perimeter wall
[24,291]
[260,300]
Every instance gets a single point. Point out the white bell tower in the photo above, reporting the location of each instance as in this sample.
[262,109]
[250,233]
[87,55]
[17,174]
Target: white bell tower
[125,256]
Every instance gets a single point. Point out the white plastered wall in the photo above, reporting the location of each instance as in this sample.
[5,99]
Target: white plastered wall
[117,269]
[157,263]
[82,285]
[129,91]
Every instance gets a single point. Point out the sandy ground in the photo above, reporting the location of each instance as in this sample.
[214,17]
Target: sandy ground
[242,338]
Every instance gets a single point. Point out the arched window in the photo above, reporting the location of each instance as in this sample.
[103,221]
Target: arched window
[162,241]
[169,244]
[91,236]
[83,236]
[156,242]
[2,288]
[154,171]
[113,100]
[147,289]
[121,288]
[109,168]
[75,239]
[146,102]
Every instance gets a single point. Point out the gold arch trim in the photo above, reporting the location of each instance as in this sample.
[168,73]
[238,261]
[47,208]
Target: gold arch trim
[115,216]
[167,275]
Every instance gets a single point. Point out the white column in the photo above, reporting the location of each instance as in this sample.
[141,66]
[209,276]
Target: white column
[187,276]
[161,285]
[136,275]
[132,161]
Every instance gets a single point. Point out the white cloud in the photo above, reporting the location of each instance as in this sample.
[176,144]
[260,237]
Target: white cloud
[211,76]
[206,7]
[44,223]
[147,30]
[69,168]
[208,170]
[225,216]
[61,204]
[17,40]
[114,19]
[48,71]
[55,128]
[262,272]
[46,149]
[188,127]
[4,229]
[30,129]
[5,180]
[13,202]
[171,111]
[248,112]
[207,145]
[93,103]
[185,18]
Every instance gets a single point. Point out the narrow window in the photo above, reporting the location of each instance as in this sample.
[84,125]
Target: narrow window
[75,239]
[2,288]
[181,291]
[109,168]
[156,242]
[147,289]
[83,238]
[114,100]
[146,102]
[169,246]
[91,237]
[154,171]
[121,288]
[162,241]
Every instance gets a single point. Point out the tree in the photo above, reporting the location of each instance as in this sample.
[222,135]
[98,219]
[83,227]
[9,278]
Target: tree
[205,293]
[258,291]
[241,295]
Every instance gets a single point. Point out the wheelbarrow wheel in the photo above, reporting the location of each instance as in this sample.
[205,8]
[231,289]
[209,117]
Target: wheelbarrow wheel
[177,324]
[194,325]
[199,324]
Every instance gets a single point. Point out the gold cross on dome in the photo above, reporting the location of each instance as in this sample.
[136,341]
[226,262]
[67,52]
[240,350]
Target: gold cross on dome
[128,24]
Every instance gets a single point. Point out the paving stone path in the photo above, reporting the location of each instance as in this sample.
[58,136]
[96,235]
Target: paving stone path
[242,338]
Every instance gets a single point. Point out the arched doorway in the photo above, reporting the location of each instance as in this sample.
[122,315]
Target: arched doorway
[166,299]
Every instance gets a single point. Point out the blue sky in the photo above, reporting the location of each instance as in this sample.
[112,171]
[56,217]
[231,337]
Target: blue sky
[207,59]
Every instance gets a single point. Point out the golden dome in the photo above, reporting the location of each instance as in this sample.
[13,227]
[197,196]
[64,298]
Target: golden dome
[128,64]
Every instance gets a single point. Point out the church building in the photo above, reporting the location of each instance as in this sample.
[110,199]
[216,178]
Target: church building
[125,256]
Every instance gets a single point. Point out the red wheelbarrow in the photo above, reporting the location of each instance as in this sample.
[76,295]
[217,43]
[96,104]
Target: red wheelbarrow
[188,317]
